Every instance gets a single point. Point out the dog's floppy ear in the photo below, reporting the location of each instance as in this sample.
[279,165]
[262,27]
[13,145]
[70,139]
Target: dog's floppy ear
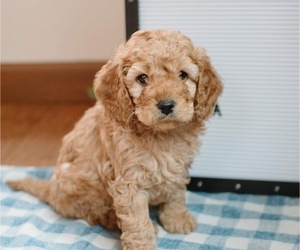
[110,89]
[209,86]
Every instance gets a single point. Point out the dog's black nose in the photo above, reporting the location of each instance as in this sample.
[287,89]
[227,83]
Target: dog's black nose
[166,106]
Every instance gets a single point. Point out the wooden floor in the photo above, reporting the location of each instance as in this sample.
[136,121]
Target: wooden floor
[31,133]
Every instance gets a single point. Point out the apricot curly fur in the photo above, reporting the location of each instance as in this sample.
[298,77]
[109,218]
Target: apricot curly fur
[125,152]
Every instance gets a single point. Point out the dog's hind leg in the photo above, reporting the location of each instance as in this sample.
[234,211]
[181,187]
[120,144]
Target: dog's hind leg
[38,188]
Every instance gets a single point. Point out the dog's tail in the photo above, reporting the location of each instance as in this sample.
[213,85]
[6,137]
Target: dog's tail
[38,188]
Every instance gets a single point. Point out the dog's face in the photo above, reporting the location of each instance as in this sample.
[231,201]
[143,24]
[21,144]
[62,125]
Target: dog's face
[160,79]
[162,85]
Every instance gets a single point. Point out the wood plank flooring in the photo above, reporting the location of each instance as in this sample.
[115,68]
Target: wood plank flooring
[31,133]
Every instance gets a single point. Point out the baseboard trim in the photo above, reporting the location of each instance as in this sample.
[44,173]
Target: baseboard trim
[50,82]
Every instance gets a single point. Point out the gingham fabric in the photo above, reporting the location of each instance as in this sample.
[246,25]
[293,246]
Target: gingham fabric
[224,221]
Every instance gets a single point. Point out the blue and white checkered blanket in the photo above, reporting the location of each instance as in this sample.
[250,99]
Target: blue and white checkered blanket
[225,221]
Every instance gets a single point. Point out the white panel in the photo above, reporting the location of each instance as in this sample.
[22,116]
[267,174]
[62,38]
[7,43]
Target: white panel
[254,45]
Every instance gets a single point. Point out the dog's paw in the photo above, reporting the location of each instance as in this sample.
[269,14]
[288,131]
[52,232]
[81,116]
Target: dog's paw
[182,223]
[138,247]
[140,240]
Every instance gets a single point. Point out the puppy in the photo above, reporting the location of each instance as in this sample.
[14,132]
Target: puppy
[134,147]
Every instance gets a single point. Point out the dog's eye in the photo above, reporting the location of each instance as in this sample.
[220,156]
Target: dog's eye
[183,75]
[142,79]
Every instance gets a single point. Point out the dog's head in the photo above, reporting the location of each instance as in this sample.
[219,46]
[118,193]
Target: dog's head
[160,80]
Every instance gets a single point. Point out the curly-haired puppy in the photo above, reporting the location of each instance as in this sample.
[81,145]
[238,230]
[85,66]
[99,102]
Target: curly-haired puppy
[134,147]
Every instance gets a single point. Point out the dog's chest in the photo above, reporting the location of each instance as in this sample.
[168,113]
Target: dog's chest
[170,161]
[158,165]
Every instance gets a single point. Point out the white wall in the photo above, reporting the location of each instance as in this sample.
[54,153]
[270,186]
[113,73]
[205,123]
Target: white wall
[61,30]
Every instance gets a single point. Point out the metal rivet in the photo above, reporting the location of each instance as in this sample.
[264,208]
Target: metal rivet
[200,184]
[238,186]
[276,189]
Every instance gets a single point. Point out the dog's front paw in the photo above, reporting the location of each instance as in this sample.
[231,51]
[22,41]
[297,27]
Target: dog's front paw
[142,240]
[182,223]
[138,247]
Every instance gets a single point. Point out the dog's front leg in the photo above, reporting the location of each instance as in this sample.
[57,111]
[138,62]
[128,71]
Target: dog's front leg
[131,206]
[174,215]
